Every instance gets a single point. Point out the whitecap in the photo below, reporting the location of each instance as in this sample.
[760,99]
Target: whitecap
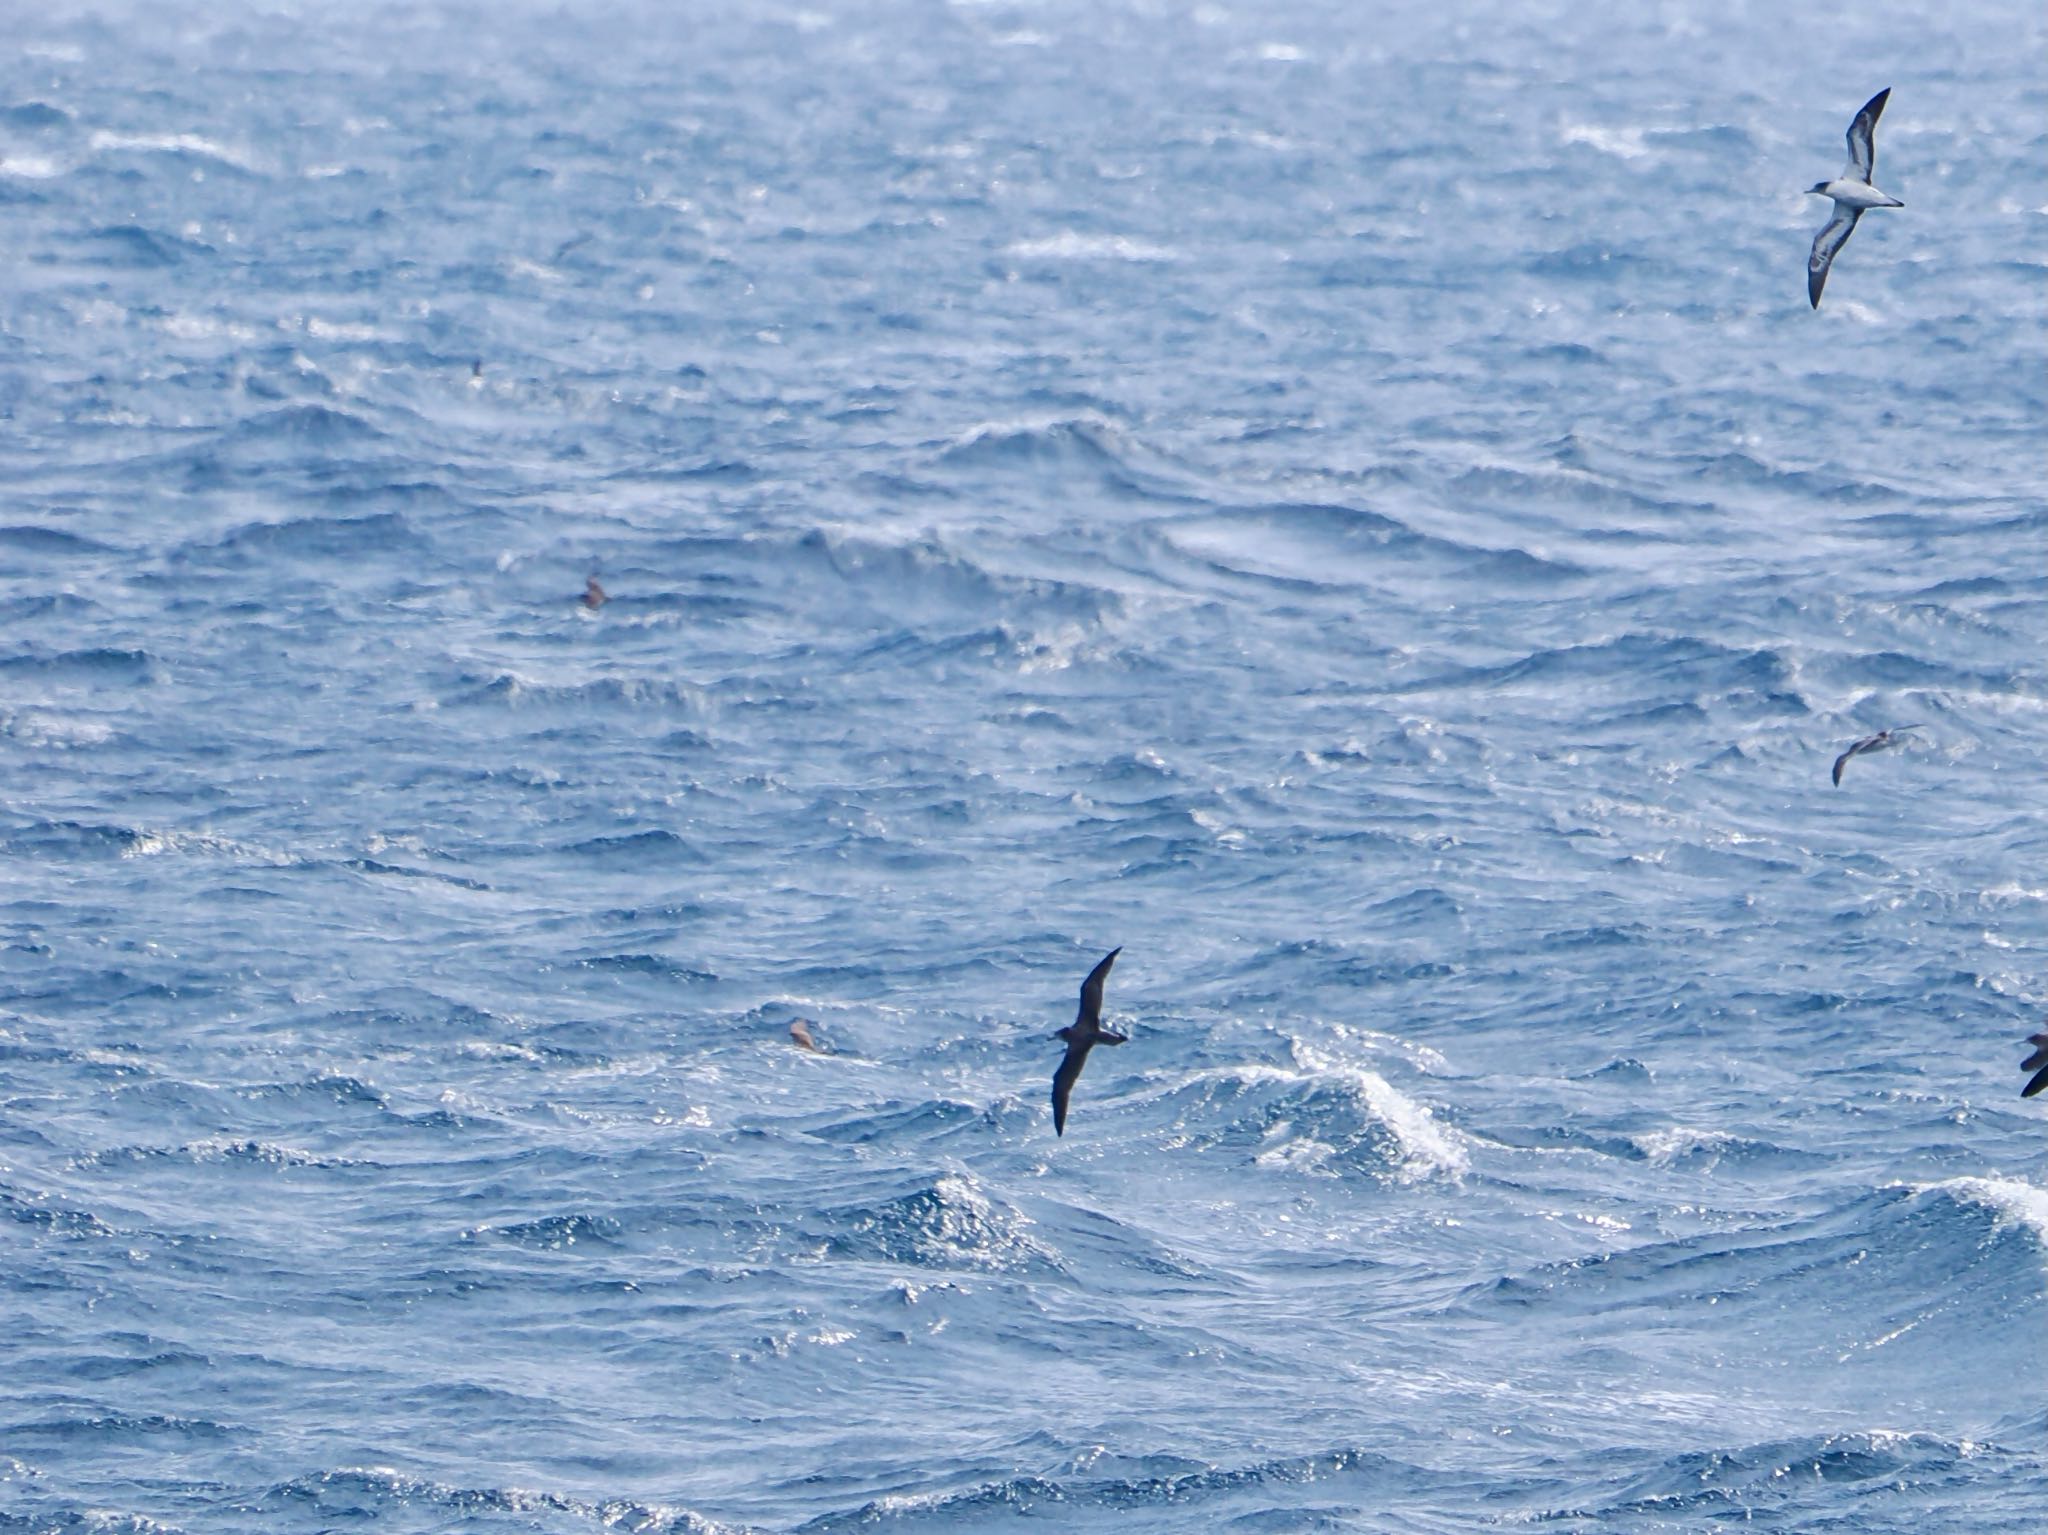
[174,144]
[1622,143]
[2010,1201]
[1071,245]
[32,167]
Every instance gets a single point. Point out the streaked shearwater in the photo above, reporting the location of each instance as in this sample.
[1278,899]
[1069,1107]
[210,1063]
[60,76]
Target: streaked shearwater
[1082,1035]
[1852,193]
[1876,743]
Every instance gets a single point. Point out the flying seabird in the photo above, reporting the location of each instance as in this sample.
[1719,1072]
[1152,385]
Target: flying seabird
[1082,1035]
[2037,1063]
[593,595]
[800,1036]
[1876,743]
[1852,193]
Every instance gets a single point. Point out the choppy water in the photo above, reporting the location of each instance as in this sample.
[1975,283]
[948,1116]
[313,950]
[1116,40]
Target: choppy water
[1271,487]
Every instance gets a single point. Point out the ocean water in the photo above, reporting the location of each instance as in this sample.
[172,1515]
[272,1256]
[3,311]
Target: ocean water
[1354,509]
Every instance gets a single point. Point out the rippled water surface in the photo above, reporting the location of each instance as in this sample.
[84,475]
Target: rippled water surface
[1355,510]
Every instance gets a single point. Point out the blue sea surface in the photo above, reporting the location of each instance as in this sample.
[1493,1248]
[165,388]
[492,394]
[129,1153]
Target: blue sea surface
[1349,504]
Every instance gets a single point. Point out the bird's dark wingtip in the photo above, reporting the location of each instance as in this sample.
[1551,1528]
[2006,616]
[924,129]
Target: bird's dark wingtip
[2040,1081]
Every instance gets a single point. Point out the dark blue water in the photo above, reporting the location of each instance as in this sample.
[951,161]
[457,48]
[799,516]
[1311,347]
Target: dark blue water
[1355,510]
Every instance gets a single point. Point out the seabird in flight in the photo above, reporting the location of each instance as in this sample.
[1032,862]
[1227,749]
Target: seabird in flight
[593,595]
[1852,193]
[1082,1035]
[1876,743]
[2037,1063]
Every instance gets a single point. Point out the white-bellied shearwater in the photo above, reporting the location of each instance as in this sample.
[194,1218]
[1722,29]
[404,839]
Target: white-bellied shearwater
[1876,743]
[1082,1035]
[2037,1063]
[1852,193]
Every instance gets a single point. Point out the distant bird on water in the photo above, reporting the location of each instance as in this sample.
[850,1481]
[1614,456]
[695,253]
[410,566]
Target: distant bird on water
[800,1036]
[1852,194]
[1876,743]
[1082,1035]
[593,595]
[2037,1063]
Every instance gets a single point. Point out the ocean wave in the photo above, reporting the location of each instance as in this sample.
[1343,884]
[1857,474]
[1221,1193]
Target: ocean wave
[1893,1471]
[137,1428]
[631,695]
[1068,448]
[183,145]
[47,1215]
[1332,1489]
[1912,1251]
[1322,546]
[1327,1114]
[951,1222]
[131,245]
[1071,245]
[37,539]
[353,1493]
[95,664]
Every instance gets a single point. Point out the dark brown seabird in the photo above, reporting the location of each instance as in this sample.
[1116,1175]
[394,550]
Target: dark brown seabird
[1082,1035]
[593,594]
[2037,1063]
[1876,743]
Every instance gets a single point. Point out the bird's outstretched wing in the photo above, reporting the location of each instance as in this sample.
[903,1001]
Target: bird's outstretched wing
[1825,244]
[1090,1015]
[2037,1063]
[1063,1082]
[1863,136]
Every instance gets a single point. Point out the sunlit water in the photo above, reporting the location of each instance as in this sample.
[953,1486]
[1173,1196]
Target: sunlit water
[1357,512]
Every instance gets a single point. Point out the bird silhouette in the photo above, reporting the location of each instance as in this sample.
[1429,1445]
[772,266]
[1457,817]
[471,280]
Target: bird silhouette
[594,596]
[1876,743]
[1082,1035]
[2037,1063]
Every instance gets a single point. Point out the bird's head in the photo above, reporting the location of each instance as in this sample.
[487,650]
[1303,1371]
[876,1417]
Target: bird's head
[1818,189]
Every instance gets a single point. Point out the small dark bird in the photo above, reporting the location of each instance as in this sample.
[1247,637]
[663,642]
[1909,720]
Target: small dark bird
[1082,1035]
[593,595]
[800,1036]
[2037,1063]
[1876,743]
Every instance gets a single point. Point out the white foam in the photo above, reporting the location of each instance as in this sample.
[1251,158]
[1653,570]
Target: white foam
[1677,1141]
[1425,1148]
[31,167]
[39,727]
[176,143]
[2012,1203]
[1622,143]
[1071,245]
